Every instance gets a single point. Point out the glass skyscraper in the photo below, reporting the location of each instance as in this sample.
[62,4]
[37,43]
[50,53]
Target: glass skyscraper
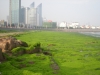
[14,12]
[32,5]
[39,15]
[32,17]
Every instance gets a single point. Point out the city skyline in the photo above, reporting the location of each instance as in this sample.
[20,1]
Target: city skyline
[82,11]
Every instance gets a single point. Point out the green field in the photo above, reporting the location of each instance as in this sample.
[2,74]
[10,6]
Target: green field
[72,53]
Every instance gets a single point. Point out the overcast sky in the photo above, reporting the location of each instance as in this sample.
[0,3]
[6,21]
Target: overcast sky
[82,11]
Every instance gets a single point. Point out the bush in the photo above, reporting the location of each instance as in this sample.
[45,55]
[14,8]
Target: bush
[44,49]
[30,49]
[22,50]
[18,50]
[37,45]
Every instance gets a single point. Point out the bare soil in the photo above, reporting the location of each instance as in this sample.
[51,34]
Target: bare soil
[9,34]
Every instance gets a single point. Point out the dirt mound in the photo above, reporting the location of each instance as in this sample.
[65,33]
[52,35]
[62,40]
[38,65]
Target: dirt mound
[8,43]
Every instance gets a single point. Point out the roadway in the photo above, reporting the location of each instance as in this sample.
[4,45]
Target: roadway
[54,29]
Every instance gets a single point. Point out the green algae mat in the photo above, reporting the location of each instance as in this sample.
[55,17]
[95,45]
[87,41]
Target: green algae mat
[72,54]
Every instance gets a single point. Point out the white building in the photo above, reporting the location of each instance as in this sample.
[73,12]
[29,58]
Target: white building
[26,15]
[93,27]
[32,15]
[63,24]
[75,25]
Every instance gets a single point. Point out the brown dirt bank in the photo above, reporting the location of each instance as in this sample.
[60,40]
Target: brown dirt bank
[10,33]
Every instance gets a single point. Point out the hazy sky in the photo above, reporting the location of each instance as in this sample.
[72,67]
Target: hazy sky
[82,11]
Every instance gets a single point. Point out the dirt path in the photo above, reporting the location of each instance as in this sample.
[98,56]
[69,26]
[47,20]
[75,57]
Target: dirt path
[11,33]
[54,66]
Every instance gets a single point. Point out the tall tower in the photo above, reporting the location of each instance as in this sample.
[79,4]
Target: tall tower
[32,5]
[14,12]
[39,15]
[32,16]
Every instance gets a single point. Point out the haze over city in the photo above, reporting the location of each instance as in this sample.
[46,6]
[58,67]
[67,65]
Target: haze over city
[82,11]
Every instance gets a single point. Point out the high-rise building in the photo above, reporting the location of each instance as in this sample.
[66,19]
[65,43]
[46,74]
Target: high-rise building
[32,5]
[14,12]
[32,17]
[26,15]
[39,15]
[29,17]
[22,15]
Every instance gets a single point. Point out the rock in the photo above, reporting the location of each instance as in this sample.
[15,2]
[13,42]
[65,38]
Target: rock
[8,43]
[5,46]
[29,51]
[37,50]
[47,53]
[1,55]
[11,44]
[17,44]
[21,52]
[24,44]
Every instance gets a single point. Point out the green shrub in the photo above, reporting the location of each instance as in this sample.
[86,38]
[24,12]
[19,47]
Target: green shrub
[18,50]
[31,47]
[44,49]
[37,44]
